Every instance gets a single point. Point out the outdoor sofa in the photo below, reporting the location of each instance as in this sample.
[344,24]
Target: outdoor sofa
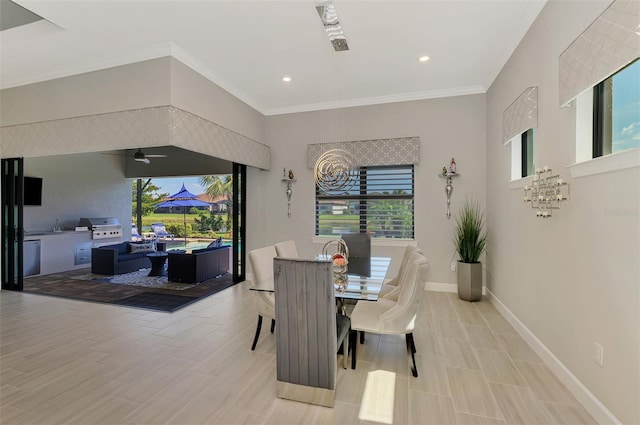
[124,257]
[199,265]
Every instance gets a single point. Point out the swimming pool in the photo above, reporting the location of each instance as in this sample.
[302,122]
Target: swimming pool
[191,245]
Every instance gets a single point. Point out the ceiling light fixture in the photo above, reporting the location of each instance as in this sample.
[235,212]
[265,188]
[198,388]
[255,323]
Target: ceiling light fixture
[286,79]
[329,18]
[423,58]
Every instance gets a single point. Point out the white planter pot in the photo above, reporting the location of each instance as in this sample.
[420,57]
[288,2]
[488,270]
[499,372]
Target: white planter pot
[469,281]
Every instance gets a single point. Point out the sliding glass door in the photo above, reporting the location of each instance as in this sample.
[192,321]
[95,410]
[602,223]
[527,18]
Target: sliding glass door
[239,208]
[12,226]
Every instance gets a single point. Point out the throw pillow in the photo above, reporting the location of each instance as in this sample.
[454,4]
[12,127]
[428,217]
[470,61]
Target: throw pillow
[215,243]
[142,247]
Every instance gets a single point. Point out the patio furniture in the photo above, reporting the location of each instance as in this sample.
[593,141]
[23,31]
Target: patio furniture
[160,231]
[120,258]
[135,235]
[157,263]
[199,265]
[390,317]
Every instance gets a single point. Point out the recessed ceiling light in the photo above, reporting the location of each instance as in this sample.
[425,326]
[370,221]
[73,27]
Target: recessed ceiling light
[286,79]
[423,58]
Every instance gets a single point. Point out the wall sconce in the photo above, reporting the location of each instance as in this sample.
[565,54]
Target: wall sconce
[449,173]
[289,180]
[546,192]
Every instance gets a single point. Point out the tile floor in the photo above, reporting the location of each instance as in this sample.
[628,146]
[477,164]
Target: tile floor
[74,362]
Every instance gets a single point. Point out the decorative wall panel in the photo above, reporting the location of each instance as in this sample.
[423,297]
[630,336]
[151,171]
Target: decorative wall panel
[139,128]
[396,151]
[607,45]
[521,115]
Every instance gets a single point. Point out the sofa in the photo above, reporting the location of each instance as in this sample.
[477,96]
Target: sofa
[120,258]
[199,265]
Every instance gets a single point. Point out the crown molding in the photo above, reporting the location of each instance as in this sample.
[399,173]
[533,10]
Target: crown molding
[377,100]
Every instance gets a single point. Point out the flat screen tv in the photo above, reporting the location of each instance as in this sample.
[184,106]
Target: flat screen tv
[32,191]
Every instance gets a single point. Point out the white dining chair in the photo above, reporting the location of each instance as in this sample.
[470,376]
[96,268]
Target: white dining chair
[287,249]
[261,260]
[391,317]
[390,288]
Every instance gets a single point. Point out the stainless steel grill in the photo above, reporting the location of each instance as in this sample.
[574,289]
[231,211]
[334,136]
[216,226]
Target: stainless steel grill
[103,227]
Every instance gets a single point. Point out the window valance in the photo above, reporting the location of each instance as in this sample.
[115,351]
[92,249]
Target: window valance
[396,151]
[521,115]
[610,43]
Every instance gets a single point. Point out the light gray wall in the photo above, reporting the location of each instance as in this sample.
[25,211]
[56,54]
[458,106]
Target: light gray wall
[574,279]
[75,186]
[139,85]
[448,127]
[192,92]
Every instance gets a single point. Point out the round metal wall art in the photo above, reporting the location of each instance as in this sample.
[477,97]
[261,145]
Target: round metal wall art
[335,171]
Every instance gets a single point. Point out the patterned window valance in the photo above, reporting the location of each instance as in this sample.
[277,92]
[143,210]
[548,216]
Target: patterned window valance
[521,115]
[611,42]
[396,151]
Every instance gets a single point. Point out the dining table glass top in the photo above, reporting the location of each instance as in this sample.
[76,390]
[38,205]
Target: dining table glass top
[365,277]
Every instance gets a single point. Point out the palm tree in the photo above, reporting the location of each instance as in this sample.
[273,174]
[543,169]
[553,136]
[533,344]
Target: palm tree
[217,186]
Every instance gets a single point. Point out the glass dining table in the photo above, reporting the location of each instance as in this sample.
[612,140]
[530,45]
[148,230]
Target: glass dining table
[365,277]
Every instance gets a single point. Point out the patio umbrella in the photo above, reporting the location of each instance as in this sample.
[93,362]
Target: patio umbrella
[183,199]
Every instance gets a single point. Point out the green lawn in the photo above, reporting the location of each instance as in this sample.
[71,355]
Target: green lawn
[174,222]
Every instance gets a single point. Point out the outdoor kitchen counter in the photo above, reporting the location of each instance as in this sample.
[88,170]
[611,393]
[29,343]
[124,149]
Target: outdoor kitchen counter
[65,250]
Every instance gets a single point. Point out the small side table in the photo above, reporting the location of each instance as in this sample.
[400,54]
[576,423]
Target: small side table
[157,263]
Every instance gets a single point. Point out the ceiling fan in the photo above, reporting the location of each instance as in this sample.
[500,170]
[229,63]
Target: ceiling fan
[142,157]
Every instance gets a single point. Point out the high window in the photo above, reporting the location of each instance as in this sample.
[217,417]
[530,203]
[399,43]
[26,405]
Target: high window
[616,112]
[380,202]
[522,153]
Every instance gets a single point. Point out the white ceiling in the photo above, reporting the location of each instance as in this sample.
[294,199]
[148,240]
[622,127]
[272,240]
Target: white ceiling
[246,47]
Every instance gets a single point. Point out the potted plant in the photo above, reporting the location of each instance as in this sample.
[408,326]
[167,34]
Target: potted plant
[470,241]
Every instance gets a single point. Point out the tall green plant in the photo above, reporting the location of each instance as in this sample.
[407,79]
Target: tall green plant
[470,237]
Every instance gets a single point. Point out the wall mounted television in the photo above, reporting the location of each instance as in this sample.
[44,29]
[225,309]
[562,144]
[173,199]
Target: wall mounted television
[32,191]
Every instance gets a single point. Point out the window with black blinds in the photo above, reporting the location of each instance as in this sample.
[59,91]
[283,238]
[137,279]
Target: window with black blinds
[380,202]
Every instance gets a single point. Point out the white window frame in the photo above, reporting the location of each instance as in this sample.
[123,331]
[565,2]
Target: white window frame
[585,164]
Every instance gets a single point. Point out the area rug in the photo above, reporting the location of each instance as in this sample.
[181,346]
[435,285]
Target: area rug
[137,278]
[156,301]
[75,284]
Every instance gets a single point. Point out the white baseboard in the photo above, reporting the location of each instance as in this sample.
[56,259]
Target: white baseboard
[446,287]
[599,412]
[440,287]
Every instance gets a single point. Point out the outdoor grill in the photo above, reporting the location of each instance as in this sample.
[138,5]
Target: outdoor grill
[103,228]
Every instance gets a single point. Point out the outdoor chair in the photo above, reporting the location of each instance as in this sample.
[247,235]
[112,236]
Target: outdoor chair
[135,236]
[160,231]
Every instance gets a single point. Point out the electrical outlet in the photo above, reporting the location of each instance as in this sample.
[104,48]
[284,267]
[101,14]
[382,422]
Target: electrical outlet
[599,357]
[453,266]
